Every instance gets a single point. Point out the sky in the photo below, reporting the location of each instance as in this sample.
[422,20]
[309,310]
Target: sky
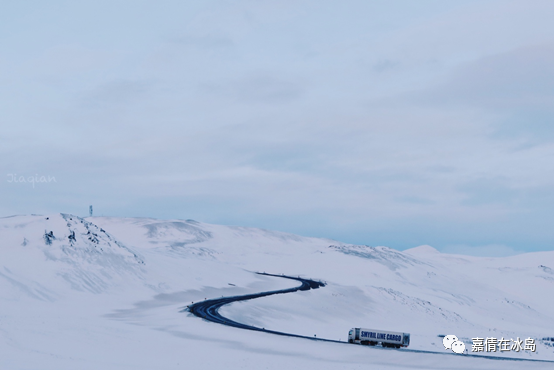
[394,123]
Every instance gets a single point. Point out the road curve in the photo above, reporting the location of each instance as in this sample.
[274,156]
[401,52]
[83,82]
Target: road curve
[209,310]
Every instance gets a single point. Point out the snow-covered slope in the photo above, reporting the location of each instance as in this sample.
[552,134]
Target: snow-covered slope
[107,293]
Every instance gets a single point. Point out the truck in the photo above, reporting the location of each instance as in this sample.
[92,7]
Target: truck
[373,337]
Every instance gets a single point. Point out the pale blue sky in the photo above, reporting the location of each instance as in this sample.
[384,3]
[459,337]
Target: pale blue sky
[395,123]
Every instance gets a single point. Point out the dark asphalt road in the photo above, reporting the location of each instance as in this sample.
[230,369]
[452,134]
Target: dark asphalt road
[209,310]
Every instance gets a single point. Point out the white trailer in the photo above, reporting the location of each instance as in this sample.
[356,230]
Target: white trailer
[372,337]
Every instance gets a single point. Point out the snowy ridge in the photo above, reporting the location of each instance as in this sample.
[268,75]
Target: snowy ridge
[389,257]
[93,241]
[144,271]
[83,254]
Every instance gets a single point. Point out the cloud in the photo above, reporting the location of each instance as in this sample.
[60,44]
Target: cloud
[72,60]
[514,88]
[256,88]
[519,76]
[384,65]
[360,121]
[490,191]
[203,42]
[117,92]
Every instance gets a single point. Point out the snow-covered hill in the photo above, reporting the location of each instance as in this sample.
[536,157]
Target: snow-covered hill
[107,293]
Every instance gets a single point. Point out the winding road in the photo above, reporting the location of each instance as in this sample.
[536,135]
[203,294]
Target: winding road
[209,310]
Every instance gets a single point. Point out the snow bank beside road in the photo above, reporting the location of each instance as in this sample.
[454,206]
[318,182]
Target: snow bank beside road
[107,292]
